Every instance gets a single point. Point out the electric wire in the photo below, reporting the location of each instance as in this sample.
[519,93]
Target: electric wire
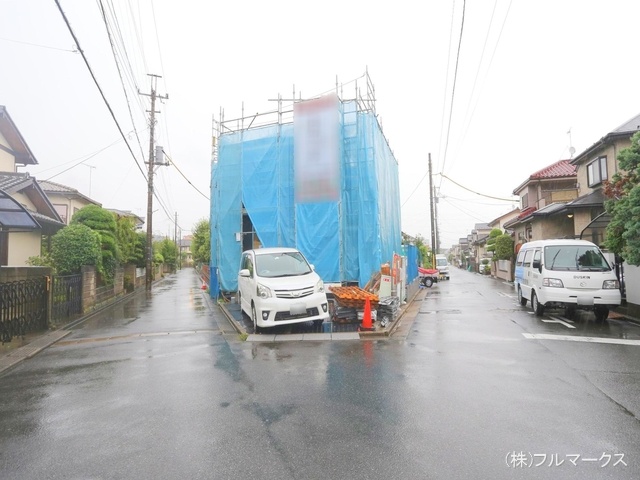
[124,89]
[510,200]
[467,119]
[466,212]
[95,80]
[453,90]
[75,50]
[183,176]
[495,48]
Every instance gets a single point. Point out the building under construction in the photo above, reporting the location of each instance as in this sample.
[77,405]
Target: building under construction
[315,174]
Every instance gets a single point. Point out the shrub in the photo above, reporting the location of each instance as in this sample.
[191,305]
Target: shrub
[75,246]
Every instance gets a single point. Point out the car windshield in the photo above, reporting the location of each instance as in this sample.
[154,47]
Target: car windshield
[441,262]
[281,265]
[574,257]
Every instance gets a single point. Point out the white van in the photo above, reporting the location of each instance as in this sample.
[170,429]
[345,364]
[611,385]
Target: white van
[569,274]
[442,264]
[277,286]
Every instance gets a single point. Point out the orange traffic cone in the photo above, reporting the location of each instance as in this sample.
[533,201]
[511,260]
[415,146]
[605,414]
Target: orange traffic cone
[367,325]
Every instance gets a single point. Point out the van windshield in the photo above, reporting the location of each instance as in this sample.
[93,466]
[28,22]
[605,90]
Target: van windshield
[575,258]
[281,265]
[441,262]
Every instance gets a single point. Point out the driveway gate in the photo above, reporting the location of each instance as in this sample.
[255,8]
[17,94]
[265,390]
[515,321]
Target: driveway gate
[23,307]
[67,297]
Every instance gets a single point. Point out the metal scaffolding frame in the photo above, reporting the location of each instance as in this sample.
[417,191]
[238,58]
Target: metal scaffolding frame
[363,96]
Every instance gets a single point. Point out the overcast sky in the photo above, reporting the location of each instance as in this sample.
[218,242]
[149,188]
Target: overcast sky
[525,74]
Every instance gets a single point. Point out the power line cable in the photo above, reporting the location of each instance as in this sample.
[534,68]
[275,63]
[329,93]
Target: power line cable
[38,45]
[495,48]
[95,80]
[511,200]
[183,176]
[124,90]
[453,91]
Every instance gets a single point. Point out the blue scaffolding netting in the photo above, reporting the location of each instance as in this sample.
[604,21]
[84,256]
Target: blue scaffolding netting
[347,239]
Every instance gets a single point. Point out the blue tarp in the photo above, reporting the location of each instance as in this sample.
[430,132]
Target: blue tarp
[346,240]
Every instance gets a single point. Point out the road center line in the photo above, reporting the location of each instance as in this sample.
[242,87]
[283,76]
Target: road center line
[570,338]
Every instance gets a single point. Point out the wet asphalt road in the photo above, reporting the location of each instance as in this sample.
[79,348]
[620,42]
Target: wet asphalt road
[158,387]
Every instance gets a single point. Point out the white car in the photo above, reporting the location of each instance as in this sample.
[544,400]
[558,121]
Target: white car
[277,286]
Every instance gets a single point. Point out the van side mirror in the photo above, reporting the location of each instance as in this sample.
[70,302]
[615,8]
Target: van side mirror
[245,272]
[537,264]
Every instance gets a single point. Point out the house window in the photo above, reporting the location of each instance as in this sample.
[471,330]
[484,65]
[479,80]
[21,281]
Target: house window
[525,201]
[62,211]
[597,171]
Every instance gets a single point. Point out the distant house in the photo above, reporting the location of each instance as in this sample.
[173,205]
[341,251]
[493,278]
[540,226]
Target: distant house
[66,200]
[543,197]
[185,251]
[27,217]
[477,244]
[138,222]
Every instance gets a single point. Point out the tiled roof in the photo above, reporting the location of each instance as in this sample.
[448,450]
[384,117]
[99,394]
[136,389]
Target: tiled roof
[525,213]
[48,186]
[11,182]
[550,209]
[593,199]
[632,125]
[562,168]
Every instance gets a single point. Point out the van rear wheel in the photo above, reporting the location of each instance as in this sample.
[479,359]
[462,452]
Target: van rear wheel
[538,308]
[521,298]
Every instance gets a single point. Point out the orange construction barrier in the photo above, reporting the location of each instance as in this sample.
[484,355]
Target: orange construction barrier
[366,318]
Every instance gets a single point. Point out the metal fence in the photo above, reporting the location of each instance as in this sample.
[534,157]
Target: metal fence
[23,307]
[66,299]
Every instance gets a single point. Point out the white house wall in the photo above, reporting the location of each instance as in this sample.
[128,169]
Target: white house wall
[632,280]
[23,245]
[7,162]
[23,200]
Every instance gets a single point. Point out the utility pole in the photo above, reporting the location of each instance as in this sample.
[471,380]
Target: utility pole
[152,124]
[175,239]
[432,210]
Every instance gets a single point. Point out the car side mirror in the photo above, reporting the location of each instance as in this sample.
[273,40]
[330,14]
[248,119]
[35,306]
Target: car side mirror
[537,264]
[245,272]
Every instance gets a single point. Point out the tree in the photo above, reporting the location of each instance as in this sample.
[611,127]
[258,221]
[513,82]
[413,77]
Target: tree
[104,223]
[75,246]
[140,250]
[504,247]
[424,252]
[201,243]
[491,241]
[623,204]
[168,251]
[127,238]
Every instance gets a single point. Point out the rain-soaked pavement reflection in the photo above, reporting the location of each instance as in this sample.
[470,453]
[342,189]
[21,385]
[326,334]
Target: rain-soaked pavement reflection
[157,388]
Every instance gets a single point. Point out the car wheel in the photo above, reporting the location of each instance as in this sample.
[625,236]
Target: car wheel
[254,317]
[521,299]
[602,313]
[537,307]
[428,282]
